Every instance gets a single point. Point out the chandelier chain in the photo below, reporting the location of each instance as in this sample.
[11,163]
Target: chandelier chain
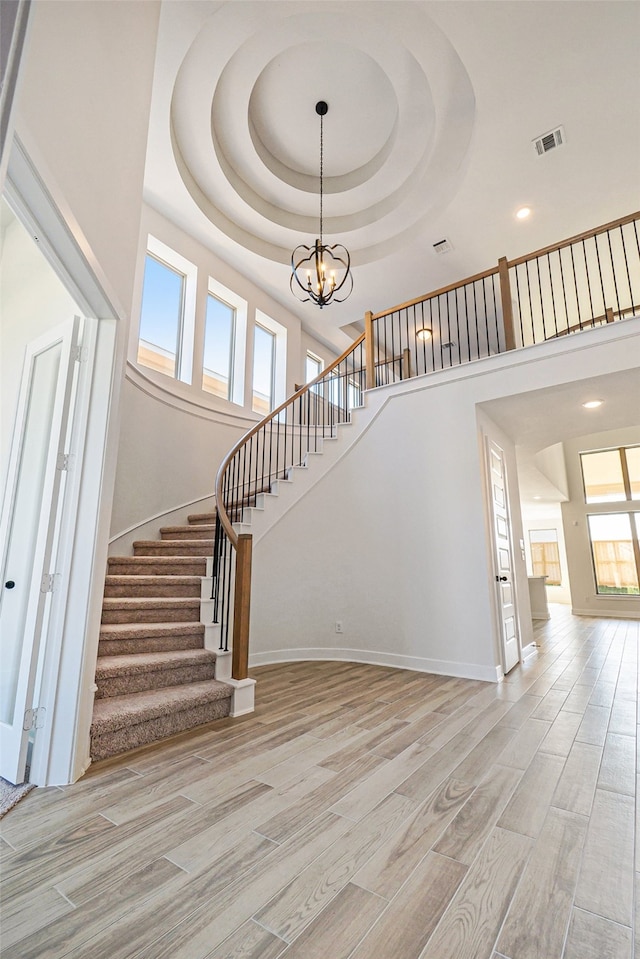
[321,170]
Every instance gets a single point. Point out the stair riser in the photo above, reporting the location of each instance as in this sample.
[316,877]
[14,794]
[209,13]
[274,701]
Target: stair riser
[158,644]
[198,519]
[158,567]
[154,679]
[165,615]
[172,548]
[151,590]
[189,532]
[111,744]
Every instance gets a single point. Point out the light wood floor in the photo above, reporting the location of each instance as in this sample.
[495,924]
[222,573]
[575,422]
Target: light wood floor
[361,812]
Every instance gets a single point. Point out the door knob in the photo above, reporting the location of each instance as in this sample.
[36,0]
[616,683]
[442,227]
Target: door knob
[501,579]
[9,584]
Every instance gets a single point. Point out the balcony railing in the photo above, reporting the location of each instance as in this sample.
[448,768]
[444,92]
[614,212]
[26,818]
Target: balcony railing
[581,283]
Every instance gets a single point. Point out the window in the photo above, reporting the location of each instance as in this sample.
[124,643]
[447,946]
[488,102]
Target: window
[614,552]
[264,348]
[545,558]
[269,364]
[161,317]
[219,340]
[313,367]
[611,476]
[167,313]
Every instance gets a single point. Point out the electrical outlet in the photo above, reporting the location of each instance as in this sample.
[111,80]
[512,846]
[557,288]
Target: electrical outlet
[339,628]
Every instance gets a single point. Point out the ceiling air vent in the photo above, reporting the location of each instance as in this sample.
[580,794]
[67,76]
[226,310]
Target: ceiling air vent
[549,141]
[442,246]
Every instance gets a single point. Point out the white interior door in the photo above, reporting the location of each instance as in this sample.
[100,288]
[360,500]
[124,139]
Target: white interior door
[503,556]
[27,530]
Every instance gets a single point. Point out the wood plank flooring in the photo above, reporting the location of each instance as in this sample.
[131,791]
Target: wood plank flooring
[360,813]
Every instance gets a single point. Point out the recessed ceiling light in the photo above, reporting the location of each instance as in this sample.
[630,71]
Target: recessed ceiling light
[523,213]
[592,404]
[537,497]
[423,334]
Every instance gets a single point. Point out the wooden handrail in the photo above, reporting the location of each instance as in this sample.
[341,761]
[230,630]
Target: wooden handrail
[588,234]
[225,520]
[607,317]
[430,296]
[575,239]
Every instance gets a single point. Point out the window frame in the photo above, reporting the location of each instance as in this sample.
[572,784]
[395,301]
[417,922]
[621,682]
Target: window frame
[628,506]
[279,371]
[172,260]
[624,469]
[239,341]
[634,527]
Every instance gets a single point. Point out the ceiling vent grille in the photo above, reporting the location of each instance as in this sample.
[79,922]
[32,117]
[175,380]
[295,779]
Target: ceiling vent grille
[549,141]
[442,246]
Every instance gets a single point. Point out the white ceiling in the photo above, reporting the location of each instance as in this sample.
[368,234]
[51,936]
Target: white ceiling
[433,107]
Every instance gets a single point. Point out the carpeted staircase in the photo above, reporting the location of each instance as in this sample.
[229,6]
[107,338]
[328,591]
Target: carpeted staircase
[154,676]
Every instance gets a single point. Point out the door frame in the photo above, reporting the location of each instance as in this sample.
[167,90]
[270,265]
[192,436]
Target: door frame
[495,572]
[61,751]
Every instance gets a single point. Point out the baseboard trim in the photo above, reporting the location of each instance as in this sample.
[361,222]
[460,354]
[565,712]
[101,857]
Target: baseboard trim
[489,674]
[606,613]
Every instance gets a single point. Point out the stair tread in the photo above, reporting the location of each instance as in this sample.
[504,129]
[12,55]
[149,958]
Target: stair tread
[157,602]
[180,529]
[196,541]
[112,630]
[142,579]
[118,711]
[152,560]
[147,662]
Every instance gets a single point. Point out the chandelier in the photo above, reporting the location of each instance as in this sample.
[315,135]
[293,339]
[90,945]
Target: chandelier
[319,272]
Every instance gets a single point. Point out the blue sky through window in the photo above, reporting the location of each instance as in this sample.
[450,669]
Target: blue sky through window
[263,350]
[161,311]
[218,338]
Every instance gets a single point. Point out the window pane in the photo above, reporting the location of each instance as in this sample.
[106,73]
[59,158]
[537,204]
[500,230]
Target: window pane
[545,558]
[313,368]
[602,472]
[633,465]
[218,348]
[263,370]
[160,316]
[613,556]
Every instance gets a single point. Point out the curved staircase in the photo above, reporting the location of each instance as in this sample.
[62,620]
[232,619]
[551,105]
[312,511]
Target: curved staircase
[154,677]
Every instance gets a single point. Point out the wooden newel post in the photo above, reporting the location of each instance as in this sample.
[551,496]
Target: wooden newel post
[241,607]
[608,314]
[507,305]
[369,355]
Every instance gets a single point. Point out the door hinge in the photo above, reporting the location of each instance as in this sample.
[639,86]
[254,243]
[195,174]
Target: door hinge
[65,461]
[48,582]
[34,718]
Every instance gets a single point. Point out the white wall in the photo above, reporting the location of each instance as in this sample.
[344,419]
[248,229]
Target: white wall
[574,517]
[174,435]
[392,541]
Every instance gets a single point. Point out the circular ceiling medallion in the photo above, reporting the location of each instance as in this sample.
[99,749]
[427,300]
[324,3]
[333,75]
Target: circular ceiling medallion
[245,132]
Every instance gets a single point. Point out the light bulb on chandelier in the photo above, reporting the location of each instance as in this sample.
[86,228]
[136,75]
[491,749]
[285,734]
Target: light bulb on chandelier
[319,272]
